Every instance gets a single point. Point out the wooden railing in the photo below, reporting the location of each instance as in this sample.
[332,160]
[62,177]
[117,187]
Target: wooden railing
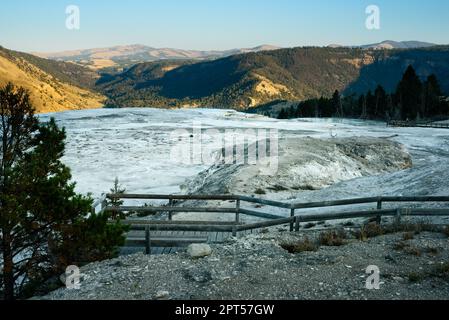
[420,124]
[273,220]
[270,220]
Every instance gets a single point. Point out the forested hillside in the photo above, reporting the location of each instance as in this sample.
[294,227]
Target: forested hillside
[254,79]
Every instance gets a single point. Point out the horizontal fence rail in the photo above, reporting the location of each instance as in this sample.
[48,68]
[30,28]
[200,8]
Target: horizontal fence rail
[173,197]
[172,209]
[427,124]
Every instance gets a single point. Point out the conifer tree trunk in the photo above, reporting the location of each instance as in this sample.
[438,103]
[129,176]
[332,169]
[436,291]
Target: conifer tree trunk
[8,266]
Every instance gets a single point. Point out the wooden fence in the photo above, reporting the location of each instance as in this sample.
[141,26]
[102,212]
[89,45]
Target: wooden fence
[294,220]
[396,123]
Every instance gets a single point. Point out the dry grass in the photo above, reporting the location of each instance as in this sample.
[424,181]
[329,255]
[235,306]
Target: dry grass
[368,231]
[414,250]
[333,238]
[47,93]
[401,245]
[440,271]
[373,229]
[408,236]
[407,248]
[304,245]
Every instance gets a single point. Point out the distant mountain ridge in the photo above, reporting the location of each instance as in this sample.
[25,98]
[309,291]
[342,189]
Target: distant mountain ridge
[127,55]
[239,81]
[121,57]
[254,79]
[390,44]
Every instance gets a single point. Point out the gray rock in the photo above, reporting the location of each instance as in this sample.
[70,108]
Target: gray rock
[162,295]
[199,250]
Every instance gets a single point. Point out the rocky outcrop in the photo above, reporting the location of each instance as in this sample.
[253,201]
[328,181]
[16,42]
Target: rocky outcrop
[306,164]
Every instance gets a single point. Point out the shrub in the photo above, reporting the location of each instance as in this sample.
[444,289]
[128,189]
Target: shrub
[414,251]
[332,238]
[303,245]
[369,230]
[408,236]
[405,247]
[432,251]
[260,191]
[401,245]
[414,277]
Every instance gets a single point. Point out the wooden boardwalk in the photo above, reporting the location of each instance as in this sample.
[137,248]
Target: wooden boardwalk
[212,237]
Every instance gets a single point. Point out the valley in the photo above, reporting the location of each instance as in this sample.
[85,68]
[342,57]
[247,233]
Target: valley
[240,80]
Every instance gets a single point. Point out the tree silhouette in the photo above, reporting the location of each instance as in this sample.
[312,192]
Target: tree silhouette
[409,94]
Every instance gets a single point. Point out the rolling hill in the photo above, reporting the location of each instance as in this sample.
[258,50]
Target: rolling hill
[390,44]
[253,79]
[53,86]
[125,56]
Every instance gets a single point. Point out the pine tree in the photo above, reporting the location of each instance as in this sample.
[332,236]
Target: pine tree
[337,104]
[432,96]
[116,189]
[283,114]
[361,106]
[409,94]
[380,109]
[18,125]
[370,105]
[40,211]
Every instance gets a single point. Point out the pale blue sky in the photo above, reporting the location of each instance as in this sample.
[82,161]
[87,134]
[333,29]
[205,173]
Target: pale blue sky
[31,25]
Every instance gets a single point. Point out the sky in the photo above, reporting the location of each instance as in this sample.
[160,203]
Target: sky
[30,25]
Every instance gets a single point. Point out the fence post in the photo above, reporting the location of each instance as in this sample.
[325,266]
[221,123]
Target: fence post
[170,204]
[147,240]
[237,211]
[379,207]
[292,214]
[234,231]
[297,221]
[398,216]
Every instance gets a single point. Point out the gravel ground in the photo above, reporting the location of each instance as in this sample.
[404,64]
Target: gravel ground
[257,267]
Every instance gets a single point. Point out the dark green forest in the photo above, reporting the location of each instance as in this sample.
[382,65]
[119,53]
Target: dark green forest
[412,100]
